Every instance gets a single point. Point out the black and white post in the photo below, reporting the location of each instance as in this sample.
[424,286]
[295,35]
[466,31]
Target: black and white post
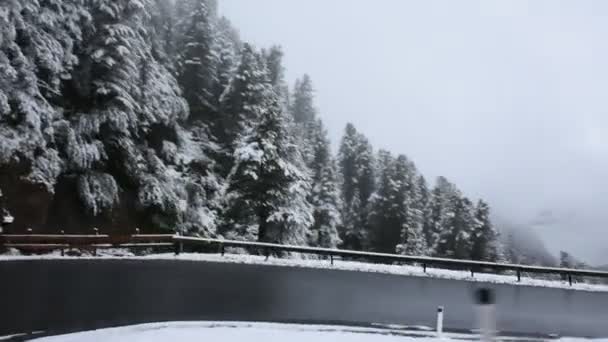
[439,321]
[486,314]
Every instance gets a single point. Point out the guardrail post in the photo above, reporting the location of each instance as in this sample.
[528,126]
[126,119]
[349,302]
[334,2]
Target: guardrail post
[331,258]
[518,275]
[95,248]
[267,253]
[62,233]
[178,247]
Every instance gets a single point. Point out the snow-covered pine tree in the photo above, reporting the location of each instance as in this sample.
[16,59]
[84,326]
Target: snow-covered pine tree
[196,62]
[302,107]
[303,112]
[106,96]
[36,53]
[387,212]
[246,97]
[354,232]
[365,171]
[457,229]
[411,238]
[441,207]
[356,163]
[162,32]
[394,214]
[267,190]
[347,159]
[36,42]
[486,245]
[325,195]
[315,149]
[412,241]
[306,126]
[227,48]
[274,61]
[128,140]
[423,204]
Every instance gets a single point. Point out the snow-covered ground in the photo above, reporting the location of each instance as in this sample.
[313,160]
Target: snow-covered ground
[266,332]
[325,264]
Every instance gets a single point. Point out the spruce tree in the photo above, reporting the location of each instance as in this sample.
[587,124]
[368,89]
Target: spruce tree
[267,189]
[36,53]
[227,49]
[423,207]
[325,195]
[347,157]
[355,235]
[197,58]
[455,237]
[357,169]
[442,202]
[365,170]
[131,132]
[246,97]
[387,206]
[304,113]
[163,34]
[315,148]
[276,72]
[302,107]
[486,245]
[412,240]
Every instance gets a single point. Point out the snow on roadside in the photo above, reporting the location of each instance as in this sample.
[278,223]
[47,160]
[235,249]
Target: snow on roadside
[267,332]
[408,270]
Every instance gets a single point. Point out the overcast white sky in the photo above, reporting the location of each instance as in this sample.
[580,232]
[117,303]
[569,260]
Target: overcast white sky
[508,99]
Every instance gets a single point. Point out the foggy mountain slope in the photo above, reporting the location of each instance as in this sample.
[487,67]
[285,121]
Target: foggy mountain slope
[522,245]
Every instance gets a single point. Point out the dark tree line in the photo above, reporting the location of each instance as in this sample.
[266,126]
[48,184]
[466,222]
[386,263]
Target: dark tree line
[154,114]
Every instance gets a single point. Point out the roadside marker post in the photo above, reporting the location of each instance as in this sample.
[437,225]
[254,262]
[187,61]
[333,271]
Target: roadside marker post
[486,313]
[439,321]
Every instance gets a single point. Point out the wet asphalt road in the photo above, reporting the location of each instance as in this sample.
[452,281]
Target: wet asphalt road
[71,295]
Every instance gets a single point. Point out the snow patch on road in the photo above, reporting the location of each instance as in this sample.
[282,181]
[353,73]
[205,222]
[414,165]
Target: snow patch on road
[266,332]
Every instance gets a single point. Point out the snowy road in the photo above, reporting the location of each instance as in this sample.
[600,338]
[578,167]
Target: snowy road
[266,332]
[83,294]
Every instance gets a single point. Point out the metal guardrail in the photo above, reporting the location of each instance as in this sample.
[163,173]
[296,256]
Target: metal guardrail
[94,242]
[423,261]
[63,242]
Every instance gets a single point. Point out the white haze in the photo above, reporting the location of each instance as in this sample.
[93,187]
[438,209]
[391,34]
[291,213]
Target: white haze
[505,98]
